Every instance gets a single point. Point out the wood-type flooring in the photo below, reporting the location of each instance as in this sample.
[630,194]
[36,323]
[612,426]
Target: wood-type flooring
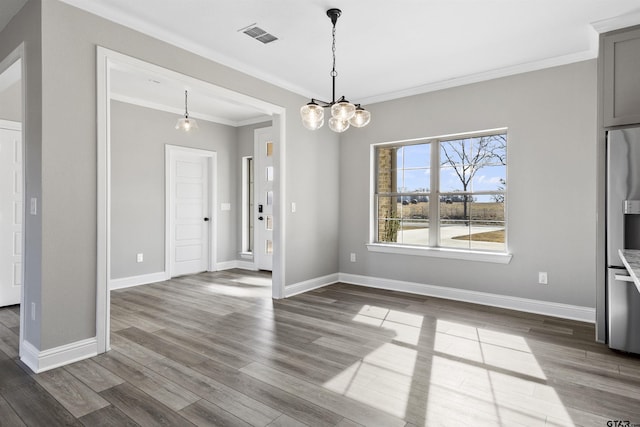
[215,349]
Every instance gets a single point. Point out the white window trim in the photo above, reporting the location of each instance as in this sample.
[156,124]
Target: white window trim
[435,252]
[427,251]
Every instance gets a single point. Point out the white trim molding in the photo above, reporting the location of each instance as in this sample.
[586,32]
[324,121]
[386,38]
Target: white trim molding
[236,263]
[143,279]
[40,361]
[311,284]
[565,311]
[617,22]
[481,256]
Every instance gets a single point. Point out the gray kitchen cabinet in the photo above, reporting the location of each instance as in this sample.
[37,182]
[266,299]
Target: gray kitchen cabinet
[621,90]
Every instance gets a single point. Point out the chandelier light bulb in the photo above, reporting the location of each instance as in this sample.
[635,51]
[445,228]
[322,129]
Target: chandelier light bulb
[313,125]
[338,125]
[343,110]
[313,115]
[361,118]
[185,123]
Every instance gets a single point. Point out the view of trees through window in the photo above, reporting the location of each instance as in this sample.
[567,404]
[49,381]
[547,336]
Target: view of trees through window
[465,177]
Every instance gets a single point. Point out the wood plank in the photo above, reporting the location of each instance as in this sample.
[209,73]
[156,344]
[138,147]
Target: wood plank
[9,318]
[156,386]
[334,402]
[9,342]
[8,416]
[109,416]
[134,351]
[73,394]
[234,402]
[93,375]
[163,347]
[35,406]
[303,410]
[204,413]
[141,407]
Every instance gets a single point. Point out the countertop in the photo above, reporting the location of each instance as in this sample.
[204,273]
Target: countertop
[631,260]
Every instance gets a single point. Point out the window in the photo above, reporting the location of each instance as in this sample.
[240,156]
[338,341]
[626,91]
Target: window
[247,205]
[442,193]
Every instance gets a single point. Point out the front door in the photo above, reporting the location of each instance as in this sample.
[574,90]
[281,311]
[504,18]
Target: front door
[10,213]
[263,205]
[189,211]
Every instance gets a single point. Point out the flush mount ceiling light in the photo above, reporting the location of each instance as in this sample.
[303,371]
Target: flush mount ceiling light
[343,113]
[185,123]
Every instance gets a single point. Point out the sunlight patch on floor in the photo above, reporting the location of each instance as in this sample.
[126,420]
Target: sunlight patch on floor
[254,281]
[451,371]
[382,379]
[501,350]
[236,291]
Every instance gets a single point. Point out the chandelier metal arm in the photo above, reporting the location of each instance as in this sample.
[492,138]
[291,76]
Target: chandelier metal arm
[325,104]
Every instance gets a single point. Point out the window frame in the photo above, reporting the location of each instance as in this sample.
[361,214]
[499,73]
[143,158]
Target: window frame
[434,249]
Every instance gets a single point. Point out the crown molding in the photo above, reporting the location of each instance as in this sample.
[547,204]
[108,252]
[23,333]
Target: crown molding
[486,75]
[617,22]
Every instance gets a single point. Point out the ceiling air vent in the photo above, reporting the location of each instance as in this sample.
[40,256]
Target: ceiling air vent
[258,33]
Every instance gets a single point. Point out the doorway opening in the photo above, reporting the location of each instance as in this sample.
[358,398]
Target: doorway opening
[110,63]
[12,189]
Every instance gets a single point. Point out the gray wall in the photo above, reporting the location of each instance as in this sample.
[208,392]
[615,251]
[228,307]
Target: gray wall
[138,139]
[63,281]
[11,103]
[551,120]
[26,27]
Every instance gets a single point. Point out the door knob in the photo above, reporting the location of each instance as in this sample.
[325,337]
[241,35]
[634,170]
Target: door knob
[260,218]
[206,219]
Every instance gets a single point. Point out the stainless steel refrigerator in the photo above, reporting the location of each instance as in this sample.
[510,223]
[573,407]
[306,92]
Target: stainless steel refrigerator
[623,232]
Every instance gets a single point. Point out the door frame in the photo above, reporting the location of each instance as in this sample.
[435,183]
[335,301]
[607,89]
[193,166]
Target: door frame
[18,54]
[107,60]
[17,126]
[212,194]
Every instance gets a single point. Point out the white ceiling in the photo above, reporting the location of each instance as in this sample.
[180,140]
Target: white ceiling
[384,49]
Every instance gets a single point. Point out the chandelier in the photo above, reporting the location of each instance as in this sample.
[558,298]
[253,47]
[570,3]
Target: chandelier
[343,113]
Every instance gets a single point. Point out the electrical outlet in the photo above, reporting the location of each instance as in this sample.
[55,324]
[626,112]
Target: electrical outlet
[542,278]
[353,257]
[139,257]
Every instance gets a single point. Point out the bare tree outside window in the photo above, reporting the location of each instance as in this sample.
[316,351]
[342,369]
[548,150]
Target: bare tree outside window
[468,156]
[459,204]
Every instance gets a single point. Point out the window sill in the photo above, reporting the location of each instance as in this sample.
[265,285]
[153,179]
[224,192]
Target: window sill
[467,255]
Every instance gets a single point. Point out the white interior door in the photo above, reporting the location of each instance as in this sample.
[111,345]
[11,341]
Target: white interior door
[190,220]
[263,205]
[10,214]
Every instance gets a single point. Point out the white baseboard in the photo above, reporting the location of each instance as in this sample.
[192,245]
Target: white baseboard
[311,284]
[565,311]
[127,282]
[236,263]
[40,361]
